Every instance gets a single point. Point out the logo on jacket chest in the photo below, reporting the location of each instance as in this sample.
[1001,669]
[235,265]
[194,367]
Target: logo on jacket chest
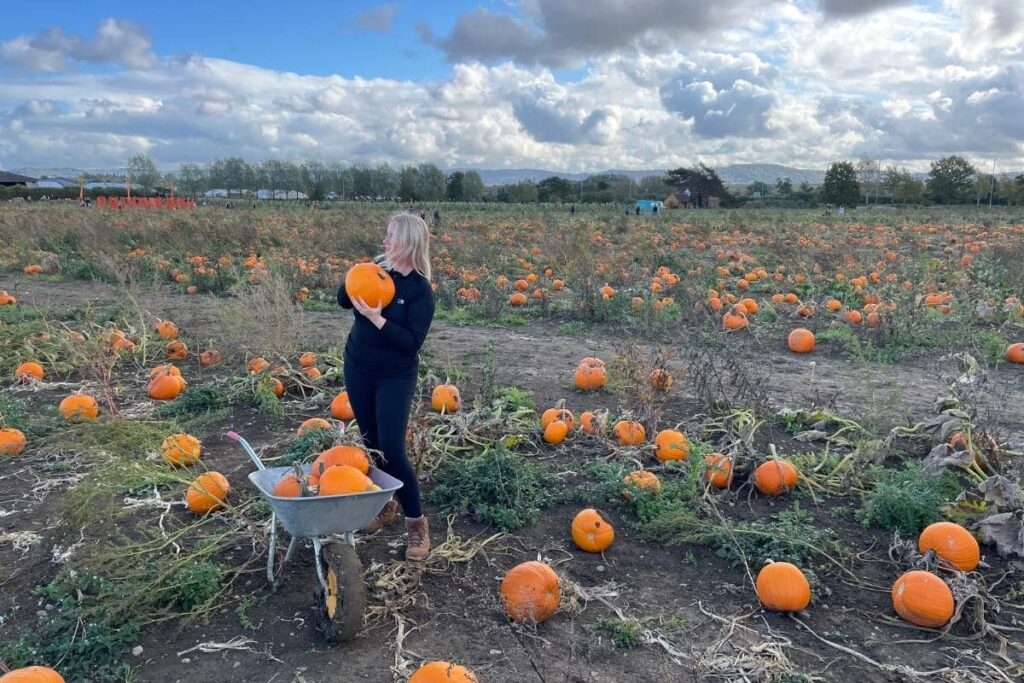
[399,301]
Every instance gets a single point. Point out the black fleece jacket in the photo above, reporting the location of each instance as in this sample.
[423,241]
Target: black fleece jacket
[394,348]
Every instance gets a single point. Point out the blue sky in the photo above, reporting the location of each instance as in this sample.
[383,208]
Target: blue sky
[557,84]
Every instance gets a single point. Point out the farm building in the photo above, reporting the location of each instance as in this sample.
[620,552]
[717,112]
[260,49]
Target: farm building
[648,205]
[684,200]
[12,179]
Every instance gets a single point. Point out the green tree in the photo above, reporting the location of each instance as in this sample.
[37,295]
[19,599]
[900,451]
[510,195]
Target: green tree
[143,171]
[522,192]
[472,187]
[192,179]
[840,186]
[430,183]
[1013,190]
[902,185]
[784,187]
[869,175]
[700,178]
[951,181]
[556,189]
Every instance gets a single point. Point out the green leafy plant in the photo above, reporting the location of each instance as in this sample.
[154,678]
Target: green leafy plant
[905,500]
[625,633]
[496,486]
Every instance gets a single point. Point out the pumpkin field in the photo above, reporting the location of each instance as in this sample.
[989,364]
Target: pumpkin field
[737,445]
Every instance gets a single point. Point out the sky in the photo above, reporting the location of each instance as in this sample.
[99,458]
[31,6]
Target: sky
[554,84]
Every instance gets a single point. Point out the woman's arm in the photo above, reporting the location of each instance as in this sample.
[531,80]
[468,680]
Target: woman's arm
[410,337]
[343,299]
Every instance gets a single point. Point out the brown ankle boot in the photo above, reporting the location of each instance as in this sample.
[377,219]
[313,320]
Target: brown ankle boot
[418,548]
[386,516]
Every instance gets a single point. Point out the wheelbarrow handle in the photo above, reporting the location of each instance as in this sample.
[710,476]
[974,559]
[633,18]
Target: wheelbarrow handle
[234,436]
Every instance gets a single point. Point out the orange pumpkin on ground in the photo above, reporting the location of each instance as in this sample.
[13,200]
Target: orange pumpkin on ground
[79,408]
[207,493]
[181,449]
[781,586]
[951,542]
[718,470]
[552,414]
[592,532]
[531,592]
[445,398]
[590,374]
[341,409]
[307,359]
[670,444]
[166,329]
[801,340]
[12,441]
[592,422]
[629,433]
[371,283]
[165,387]
[29,371]
[642,479]
[209,357]
[555,432]
[775,477]
[176,350]
[442,672]
[1015,353]
[922,599]
[313,423]
[257,365]
[32,674]
[343,480]
[353,456]
[517,299]
[660,379]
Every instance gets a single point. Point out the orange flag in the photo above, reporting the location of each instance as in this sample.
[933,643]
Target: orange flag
[128,185]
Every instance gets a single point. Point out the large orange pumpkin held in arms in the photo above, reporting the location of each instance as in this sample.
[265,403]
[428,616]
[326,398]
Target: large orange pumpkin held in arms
[371,283]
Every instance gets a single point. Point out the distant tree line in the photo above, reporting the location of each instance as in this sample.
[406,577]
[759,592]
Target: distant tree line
[951,180]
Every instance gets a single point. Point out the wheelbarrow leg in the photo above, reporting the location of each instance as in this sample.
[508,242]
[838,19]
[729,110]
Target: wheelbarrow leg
[271,549]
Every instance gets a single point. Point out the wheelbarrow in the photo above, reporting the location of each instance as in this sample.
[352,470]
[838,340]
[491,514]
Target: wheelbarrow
[330,523]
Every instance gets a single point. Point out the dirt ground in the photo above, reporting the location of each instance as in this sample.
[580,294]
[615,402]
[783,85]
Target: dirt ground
[456,615]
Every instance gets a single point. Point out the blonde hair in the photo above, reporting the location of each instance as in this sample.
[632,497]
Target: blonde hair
[410,232]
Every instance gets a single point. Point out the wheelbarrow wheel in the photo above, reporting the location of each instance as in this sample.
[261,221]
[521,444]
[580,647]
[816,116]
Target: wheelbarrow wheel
[339,609]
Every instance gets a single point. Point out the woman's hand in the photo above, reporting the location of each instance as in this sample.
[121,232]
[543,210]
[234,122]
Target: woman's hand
[370,313]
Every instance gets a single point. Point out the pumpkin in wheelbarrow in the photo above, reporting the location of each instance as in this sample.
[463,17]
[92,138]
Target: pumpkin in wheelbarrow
[344,479]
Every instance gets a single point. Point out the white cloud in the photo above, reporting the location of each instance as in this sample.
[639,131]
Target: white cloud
[117,41]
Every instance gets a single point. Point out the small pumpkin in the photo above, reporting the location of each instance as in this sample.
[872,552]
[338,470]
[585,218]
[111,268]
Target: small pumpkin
[776,477]
[207,493]
[951,542]
[445,398]
[718,470]
[555,432]
[1015,353]
[591,532]
[801,340]
[593,422]
[442,672]
[922,599]
[552,414]
[176,350]
[32,674]
[781,586]
[165,387]
[257,365]
[288,486]
[307,359]
[209,357]
[660,379]
[517,299]
[341,409]
[371,283]
[12,441]
[629,433]
[166,329]
[671,444]
[531,592]
[79,408]
[734,319]
[590,374]
[642,479]
[29,371]
[312,423]
[181,449]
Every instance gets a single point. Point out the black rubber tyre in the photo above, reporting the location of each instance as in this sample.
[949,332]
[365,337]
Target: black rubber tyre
[339,611]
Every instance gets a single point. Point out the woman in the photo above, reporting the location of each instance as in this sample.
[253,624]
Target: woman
[381,359]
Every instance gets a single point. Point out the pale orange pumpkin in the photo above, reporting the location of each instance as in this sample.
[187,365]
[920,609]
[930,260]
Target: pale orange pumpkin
[642,479]
[79,408]
[775,477]
[12,441]
[29,371]
[181,449]
[671,444]
[445,398]
[312,423]
[629,433]
[207,493]
[341,409]
[590,374]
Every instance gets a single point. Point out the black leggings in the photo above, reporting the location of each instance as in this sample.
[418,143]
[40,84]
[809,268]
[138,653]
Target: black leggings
[381,406]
